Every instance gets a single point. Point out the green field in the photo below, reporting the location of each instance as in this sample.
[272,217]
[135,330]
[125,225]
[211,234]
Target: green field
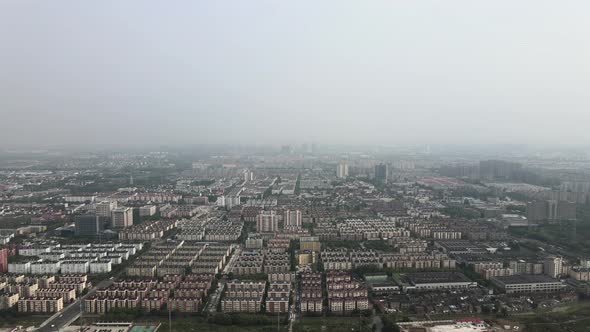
[7,321]
[572,318]
[257,323]
[573,236]
[334,323]
[204,327]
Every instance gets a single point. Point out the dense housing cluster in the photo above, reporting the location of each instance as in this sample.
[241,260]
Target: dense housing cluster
[288,236]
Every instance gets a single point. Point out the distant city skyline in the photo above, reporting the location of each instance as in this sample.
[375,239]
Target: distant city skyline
[140,73]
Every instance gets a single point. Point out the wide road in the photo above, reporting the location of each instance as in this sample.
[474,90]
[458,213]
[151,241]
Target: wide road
[65,317]
[211,305]
[232,260]
[296,306]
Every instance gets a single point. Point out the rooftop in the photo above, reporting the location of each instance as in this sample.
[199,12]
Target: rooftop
[436,277]
[526,279]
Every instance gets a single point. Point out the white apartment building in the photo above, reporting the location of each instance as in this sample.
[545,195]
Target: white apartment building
[46,267]
[292,219]
[20,268]
[105,208]
[553,266]
[147,210]
[342,170]
[101,266]
[266,222]
[33,251]
[122,217]
[75,267]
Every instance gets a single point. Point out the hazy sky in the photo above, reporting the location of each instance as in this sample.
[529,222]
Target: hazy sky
[387,72]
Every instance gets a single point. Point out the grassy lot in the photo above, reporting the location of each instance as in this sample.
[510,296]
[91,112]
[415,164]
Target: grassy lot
[201,324]
[180,326]
[574,237]
[7,321]
[334,323]
[575,241]
[572,318]
[14,222]
[577,325]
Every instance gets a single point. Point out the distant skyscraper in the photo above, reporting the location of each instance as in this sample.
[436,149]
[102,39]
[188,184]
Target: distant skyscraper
[579,186]
[381,173]
[88,225]
[342,170]
[105,208]
[248,175]
[553,266]
[286,149]
[292,219]
[266,222]
[460,171]
[551,210]
[4,260]
[536,210]
[498,169]
[122,217]
[566,210]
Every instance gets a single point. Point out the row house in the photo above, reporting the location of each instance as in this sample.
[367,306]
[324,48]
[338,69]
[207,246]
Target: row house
[345,294]
[312,301]
[152,303]
[480,266]
[8,300]
[277,304]
[312,305]
[158,293]
[418,261]
[114,291]
[73,278]
[282,277]
[185,304]
[43,281]
[101,305]
[501,272]
[242,296]
[68,295]
[40,305]
[22,289]
[347,305]
[279,290]
[190,293]
[241,304]
[78,287]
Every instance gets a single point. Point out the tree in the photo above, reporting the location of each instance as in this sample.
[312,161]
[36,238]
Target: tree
[389,324]
[503,312]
